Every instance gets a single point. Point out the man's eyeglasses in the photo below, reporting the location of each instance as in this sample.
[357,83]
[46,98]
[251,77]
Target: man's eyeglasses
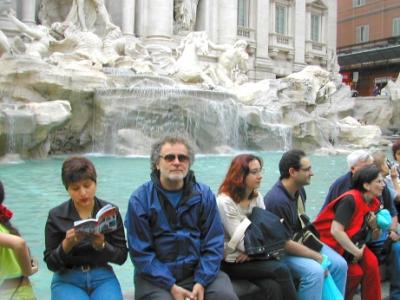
[308,169]
[255,171]
[171,157]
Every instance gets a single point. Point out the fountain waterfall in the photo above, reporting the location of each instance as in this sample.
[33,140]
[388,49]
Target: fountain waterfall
[127,120]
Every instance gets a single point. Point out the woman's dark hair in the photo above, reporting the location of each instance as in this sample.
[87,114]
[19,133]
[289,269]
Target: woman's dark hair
[395,148]
[7,224]
[366,174]
[234,183]
[2,195]
[77,168]
[290,159]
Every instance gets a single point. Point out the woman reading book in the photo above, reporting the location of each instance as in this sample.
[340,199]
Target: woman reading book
[79,260]
[16,263]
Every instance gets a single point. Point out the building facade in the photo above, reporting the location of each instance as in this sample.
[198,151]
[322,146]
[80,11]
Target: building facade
[368,43]
[284,35]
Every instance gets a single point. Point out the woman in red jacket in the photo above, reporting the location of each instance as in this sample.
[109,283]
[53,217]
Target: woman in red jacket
[344,225]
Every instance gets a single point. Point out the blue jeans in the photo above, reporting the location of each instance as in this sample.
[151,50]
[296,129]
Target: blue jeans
[96,284]
[395,271]
[312,275]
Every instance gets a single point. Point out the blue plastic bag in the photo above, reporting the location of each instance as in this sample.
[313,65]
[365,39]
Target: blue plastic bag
[329,290]
[383,219]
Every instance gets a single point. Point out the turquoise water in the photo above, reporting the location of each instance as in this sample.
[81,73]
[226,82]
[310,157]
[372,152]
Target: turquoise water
[33,187]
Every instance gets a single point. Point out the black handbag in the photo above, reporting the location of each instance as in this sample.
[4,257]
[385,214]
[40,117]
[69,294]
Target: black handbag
[266,236]
[308,235]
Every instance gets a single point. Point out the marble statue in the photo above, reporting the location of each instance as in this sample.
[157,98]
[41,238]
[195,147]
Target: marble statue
[185,15]
[232,63]
[84,14]
[188,66]
[39,37]
[4,44]
[76,45]
[126,51]
[310,83]
[230,68]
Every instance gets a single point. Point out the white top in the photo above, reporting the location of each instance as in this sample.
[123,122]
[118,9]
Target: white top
[235,220]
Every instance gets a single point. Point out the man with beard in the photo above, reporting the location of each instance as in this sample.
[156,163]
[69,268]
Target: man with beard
[175,234]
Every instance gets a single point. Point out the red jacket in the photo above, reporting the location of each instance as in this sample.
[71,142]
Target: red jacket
[324,220]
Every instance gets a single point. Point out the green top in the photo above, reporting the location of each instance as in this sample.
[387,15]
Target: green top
[8,261]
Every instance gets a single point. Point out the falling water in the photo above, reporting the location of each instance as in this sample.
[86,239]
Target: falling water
[19,124]
[11,139]
[209,118]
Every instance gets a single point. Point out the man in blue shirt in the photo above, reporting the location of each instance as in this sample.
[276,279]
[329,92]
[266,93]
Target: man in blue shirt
[175,235]
[286,199]
[355,160]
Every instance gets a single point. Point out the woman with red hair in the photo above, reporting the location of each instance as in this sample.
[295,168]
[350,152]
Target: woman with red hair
[237,196]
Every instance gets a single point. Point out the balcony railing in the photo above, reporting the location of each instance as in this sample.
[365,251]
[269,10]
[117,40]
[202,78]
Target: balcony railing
[281,41]
[318,49]
[246,32]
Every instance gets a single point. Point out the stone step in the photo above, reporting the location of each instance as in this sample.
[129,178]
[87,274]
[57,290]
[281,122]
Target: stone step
[130,295]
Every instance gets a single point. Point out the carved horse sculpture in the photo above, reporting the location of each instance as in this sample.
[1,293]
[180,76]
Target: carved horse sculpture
[189,69]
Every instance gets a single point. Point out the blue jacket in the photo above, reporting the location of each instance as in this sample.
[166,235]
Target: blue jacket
[344,184]
[340,186]
[168,244]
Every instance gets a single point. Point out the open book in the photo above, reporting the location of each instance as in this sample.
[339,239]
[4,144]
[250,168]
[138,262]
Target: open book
[105,221]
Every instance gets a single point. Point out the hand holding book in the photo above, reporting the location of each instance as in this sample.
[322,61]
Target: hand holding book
[104,222]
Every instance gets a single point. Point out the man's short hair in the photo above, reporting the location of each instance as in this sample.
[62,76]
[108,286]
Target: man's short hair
[357,156]
[290,159]
[156,150]
[379,158]
[77,168]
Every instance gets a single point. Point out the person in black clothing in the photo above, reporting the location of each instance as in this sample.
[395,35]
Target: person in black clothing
[80,264]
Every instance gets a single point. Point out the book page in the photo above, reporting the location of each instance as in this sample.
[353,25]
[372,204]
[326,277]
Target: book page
[108,220]
[103,209]
[88,226]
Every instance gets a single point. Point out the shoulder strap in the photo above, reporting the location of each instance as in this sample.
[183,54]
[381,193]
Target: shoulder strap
[300,205]
[300,211]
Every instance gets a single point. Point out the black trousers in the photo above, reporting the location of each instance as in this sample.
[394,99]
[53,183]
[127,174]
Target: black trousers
[272,276]
[220,289]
